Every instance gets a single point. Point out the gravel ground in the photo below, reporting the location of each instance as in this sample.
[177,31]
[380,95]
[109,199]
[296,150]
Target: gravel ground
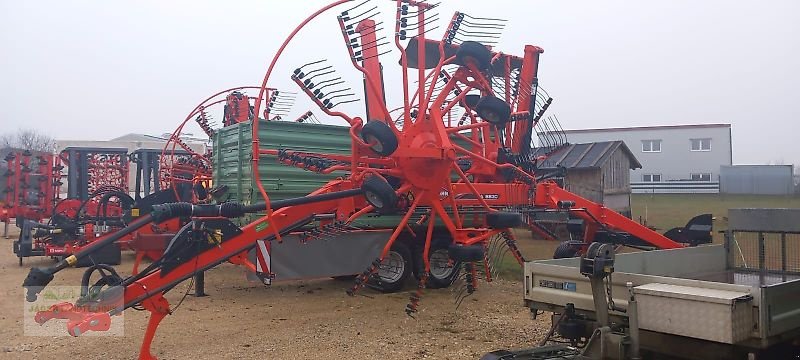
[289,320]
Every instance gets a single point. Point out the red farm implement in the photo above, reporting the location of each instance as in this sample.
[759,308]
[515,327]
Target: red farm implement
[30,187]
[455,156]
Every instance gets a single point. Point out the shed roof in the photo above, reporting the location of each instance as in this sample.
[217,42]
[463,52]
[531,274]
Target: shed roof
[584,156]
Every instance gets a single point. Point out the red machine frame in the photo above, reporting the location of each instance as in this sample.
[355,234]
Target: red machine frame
[19,183]
[418,154]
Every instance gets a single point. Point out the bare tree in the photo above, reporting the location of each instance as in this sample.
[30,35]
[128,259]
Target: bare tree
[28,139]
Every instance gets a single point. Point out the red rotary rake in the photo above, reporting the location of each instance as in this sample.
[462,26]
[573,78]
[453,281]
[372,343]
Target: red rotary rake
[458,153]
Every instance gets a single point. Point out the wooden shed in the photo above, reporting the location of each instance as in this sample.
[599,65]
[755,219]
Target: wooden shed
[599,171]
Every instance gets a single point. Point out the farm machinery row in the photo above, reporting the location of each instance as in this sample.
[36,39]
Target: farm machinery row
[98,203]
[452,163]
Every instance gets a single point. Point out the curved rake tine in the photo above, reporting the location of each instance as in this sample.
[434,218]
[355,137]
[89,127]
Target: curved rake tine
[554,131]
[345,15]
[379,54]
[328,83]
[355,7]
[484,18]
[558,122]
[414,26]
[307,77]
[346,102]
[307,64]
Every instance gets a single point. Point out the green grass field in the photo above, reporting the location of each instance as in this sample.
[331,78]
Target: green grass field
[665,211]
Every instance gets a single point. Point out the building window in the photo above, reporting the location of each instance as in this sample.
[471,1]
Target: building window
[651,145]
[701,177]
[701,144]
[651,177]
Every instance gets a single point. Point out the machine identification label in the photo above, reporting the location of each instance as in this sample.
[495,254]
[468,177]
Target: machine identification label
[558,285]
[262,226]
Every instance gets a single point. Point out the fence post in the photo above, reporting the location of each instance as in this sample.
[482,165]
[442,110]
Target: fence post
[783,252]
[729,252]
[762,264]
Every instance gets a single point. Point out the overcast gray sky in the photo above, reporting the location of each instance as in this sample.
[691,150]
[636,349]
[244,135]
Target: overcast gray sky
[99,69]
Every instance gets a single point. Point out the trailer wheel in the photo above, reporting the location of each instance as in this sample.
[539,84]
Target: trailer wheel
[475,52]
[465,253]
[394,269]
[444,270]
[565,250]
[503,219]
[381,137]
[493,110]
[380,194]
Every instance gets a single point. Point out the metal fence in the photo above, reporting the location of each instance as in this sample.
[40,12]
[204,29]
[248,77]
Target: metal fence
[764,241]
[675,187]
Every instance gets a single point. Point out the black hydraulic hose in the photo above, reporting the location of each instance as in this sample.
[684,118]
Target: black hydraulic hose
[87,275]
[123,198]
[155,264]
[38,278]
[163,212]
[100,191]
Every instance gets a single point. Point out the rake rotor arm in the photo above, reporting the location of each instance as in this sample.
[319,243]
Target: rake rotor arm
[550,195]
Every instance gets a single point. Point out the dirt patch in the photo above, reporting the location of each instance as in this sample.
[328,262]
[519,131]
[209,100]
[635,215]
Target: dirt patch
[297,320]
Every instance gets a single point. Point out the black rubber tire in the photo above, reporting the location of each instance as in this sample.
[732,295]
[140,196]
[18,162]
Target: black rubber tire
[436,282]
[385,285]
[493,110]
[475,52]
[380,194]
[470,101]
[383,136]
[565,250]
[464,253]
[503,219]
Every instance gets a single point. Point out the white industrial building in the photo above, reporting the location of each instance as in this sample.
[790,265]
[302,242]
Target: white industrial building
[678,155]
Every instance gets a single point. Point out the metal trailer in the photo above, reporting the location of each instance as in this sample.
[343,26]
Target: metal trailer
[330,250]
[734,300]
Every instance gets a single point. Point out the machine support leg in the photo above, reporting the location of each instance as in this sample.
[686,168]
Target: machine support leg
[200,284]
[5,229]
[633,324]
[159,308]
[600,303]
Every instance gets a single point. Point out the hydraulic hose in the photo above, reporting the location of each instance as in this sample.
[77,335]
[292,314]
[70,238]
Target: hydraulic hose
[38,278]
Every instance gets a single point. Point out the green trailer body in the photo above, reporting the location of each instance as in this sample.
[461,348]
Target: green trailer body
[233,162]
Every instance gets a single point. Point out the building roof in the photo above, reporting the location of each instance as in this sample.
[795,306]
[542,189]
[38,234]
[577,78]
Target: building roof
[659,127]
[585,156]
[138,137]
